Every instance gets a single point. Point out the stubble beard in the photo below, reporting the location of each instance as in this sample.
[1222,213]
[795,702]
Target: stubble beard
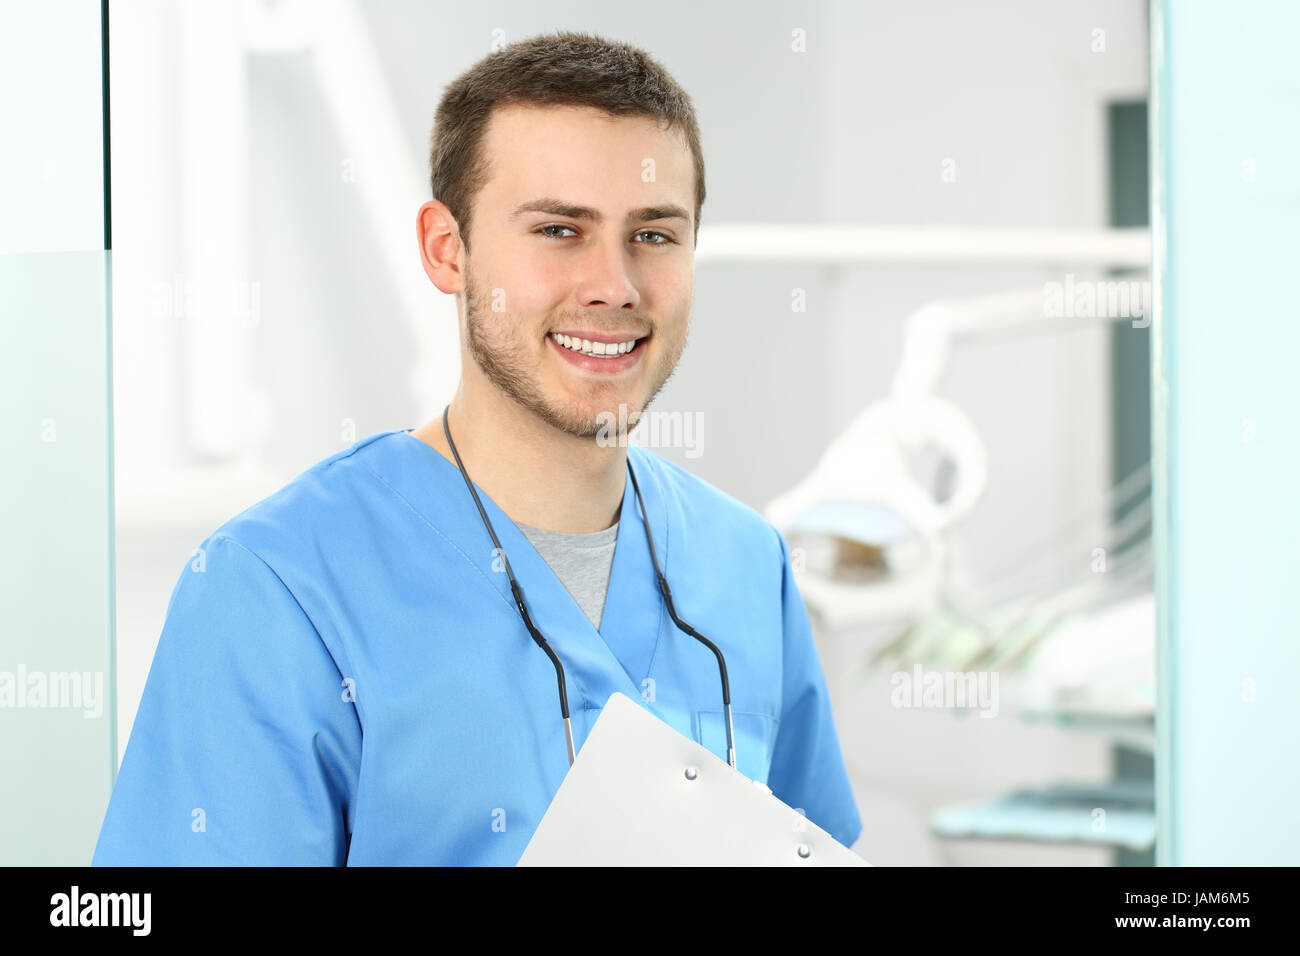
[508,367]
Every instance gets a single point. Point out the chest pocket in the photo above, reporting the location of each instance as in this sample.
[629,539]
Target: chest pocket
[755,738]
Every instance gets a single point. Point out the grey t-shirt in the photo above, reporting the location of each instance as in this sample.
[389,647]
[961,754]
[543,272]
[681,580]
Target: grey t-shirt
[581,561]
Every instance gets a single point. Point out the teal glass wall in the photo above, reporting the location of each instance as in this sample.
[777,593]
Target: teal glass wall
[1225,398]
[57,702]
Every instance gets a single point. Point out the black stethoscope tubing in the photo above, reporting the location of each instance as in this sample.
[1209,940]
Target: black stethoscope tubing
[545,645]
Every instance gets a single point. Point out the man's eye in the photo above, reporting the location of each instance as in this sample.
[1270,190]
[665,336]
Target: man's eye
[548,236]
[666,239]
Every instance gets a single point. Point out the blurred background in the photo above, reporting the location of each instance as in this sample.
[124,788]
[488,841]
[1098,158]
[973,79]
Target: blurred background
[270,308]
[921,345]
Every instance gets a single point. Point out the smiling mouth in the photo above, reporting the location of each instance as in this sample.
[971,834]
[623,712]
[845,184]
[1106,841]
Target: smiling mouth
[596,349]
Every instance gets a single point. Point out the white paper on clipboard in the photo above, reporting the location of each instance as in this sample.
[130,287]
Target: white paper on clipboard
[629,800]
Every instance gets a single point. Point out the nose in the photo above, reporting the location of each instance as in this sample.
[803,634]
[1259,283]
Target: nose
[605,279]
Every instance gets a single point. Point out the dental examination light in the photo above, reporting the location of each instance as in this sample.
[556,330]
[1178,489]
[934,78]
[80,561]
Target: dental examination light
[870,523]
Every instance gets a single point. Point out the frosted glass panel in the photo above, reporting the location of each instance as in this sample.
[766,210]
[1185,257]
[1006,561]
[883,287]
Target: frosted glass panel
[1226,212]
[57,705]
[56,701]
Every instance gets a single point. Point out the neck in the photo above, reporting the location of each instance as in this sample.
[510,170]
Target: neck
[537,474]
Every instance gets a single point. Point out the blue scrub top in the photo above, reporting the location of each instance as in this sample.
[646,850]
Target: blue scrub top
[343,676]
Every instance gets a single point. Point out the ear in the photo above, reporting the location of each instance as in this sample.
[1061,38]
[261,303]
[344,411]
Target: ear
[440,246]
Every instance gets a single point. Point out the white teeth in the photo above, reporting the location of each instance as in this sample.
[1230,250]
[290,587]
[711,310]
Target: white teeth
[598,349]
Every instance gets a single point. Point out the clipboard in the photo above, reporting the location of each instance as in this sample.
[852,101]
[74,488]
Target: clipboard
[641,794]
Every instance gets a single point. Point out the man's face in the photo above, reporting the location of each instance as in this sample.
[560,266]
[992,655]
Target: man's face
[624,280]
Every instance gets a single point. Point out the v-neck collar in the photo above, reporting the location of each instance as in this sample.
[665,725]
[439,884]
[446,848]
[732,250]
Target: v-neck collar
[621,653]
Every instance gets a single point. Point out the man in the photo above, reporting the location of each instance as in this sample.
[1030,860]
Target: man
[345,675]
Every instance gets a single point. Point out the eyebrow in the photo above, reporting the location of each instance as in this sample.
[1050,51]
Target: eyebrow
[569,210]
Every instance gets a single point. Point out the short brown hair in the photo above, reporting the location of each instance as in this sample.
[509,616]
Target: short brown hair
[564,69]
